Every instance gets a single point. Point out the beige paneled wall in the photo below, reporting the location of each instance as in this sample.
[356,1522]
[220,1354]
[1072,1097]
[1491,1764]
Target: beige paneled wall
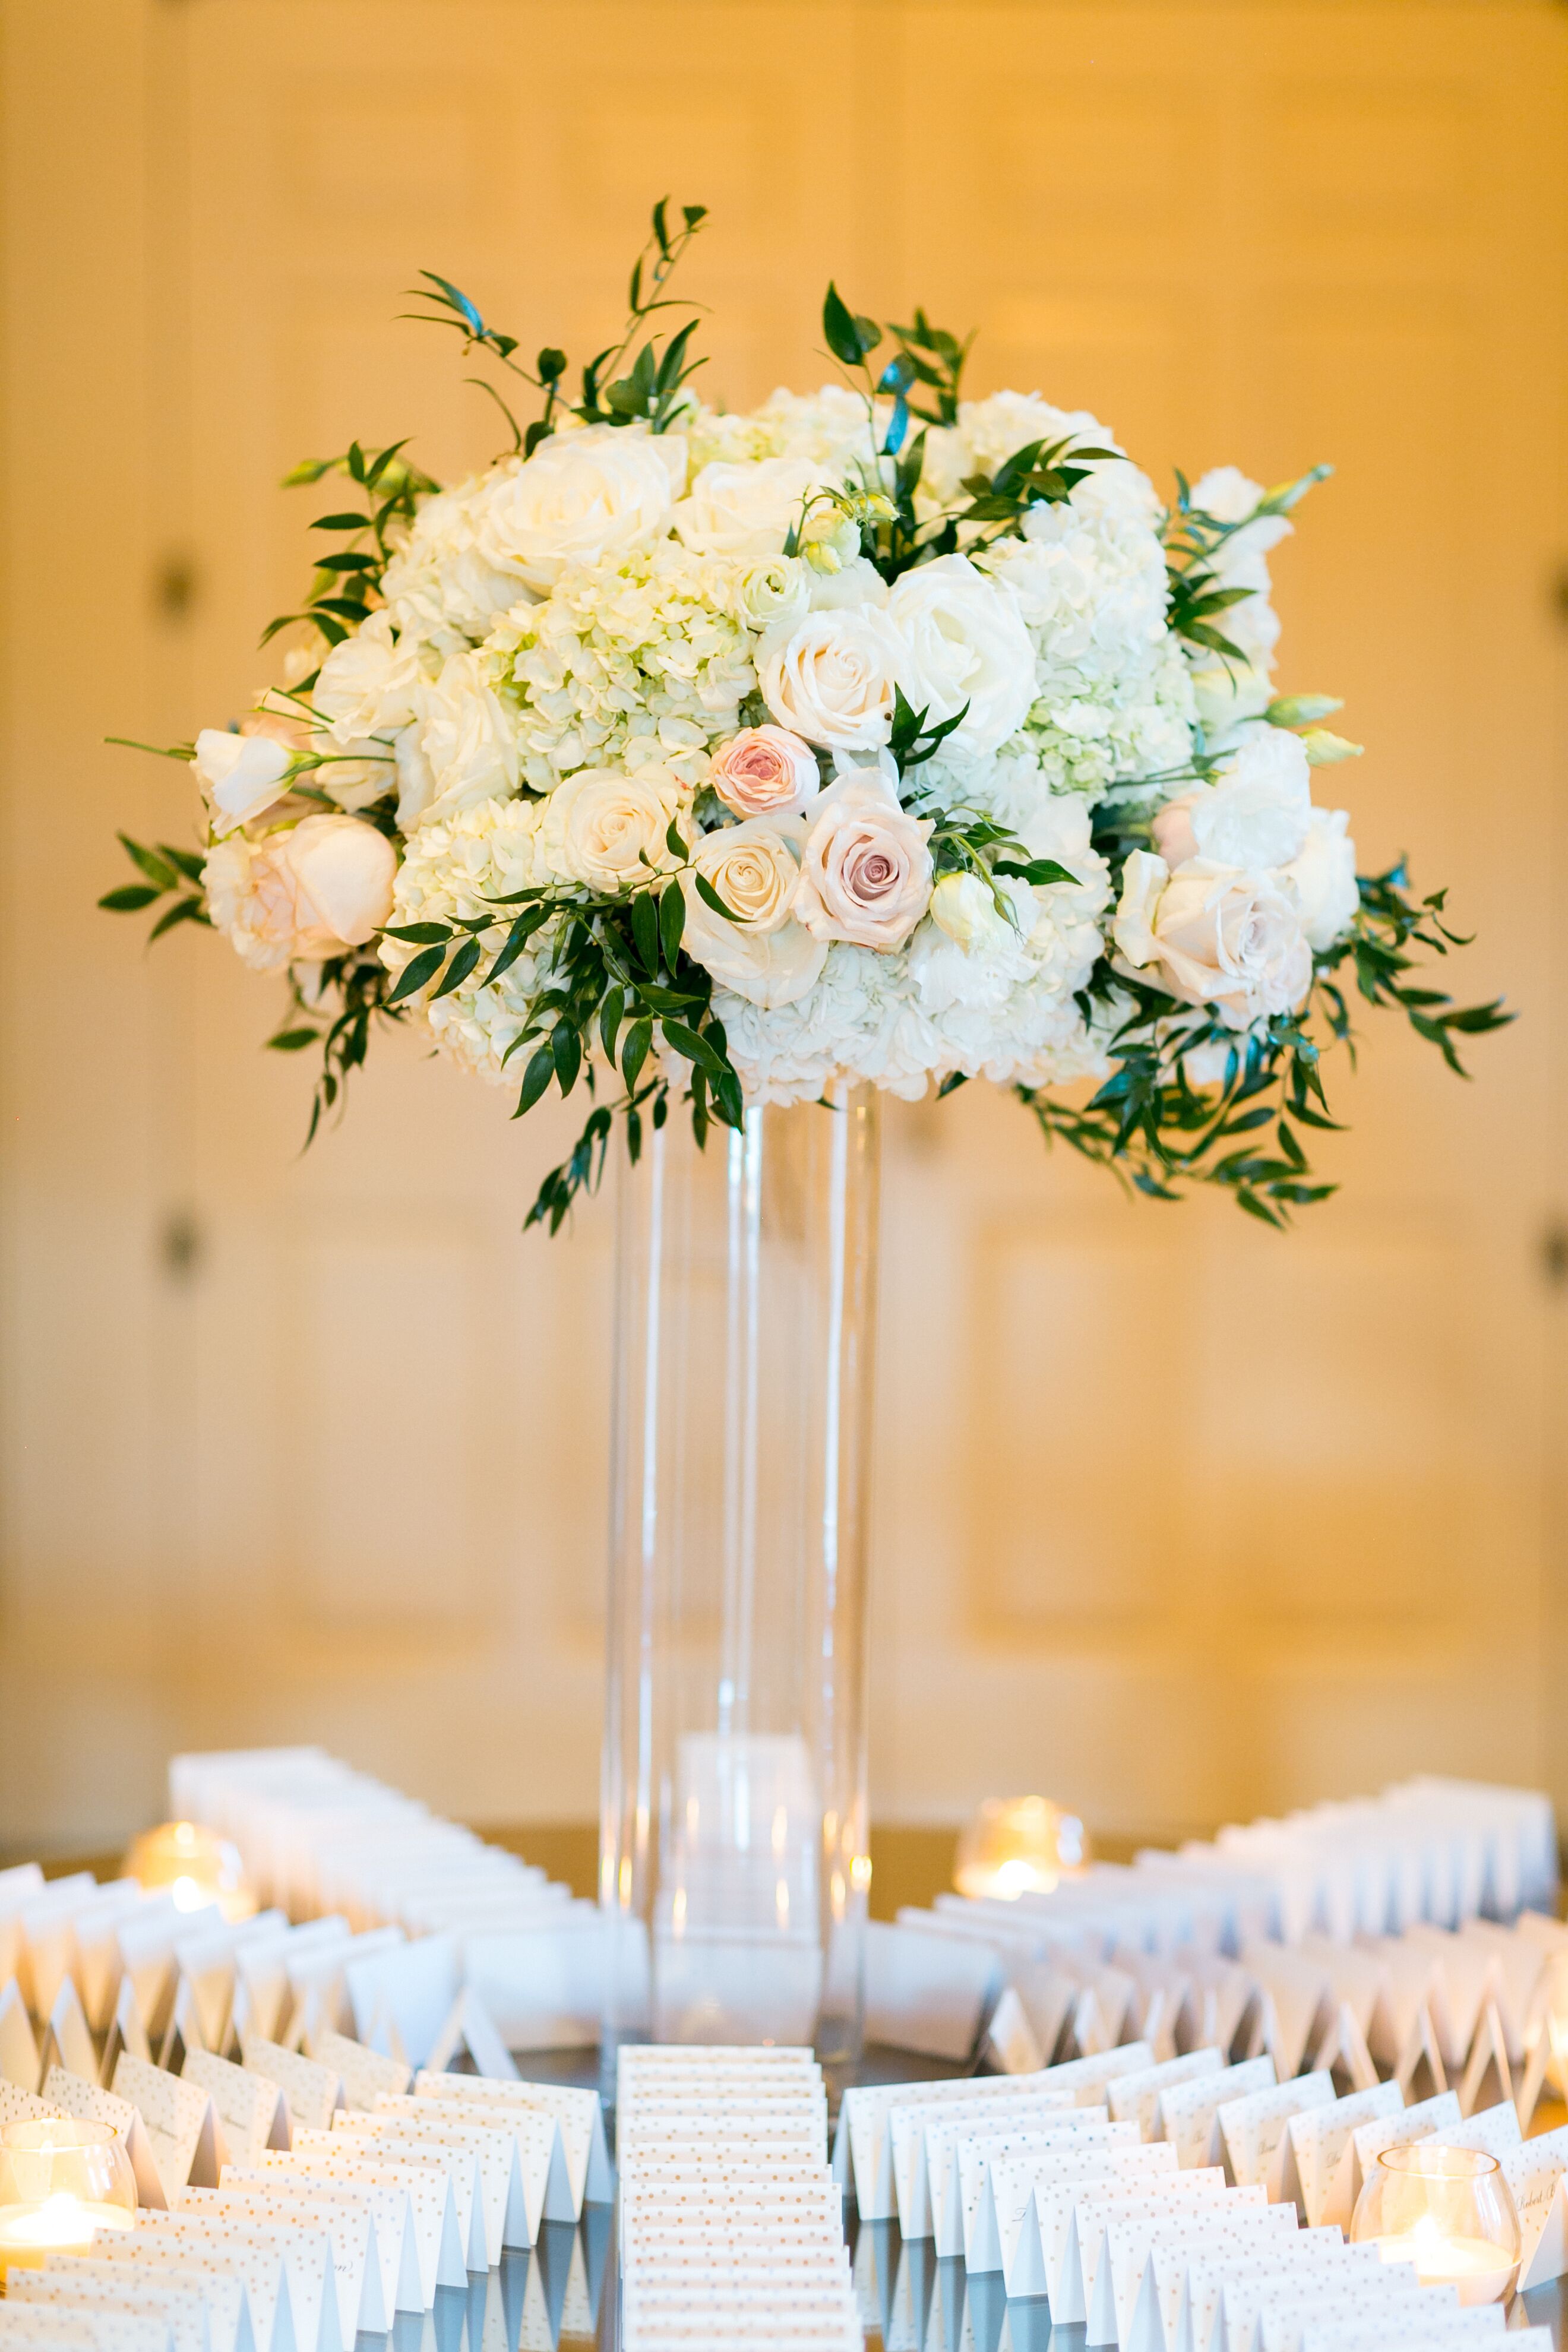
[1176,1520]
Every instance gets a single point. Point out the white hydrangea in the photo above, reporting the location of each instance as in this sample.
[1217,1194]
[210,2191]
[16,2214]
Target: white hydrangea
[454,869]
[830,426]
[645,658]
[438,587]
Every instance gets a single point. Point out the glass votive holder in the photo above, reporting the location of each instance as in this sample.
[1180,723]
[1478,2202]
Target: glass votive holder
[1018,1845]
[61,2181]
[1447,2210]
[194,1865]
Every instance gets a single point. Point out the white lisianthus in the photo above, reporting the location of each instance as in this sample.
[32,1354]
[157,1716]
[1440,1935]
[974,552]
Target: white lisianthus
[866,876]
[1209,935]
[1253,814]
[775,593]
[580,496]
[240,776]
[1324,878]
[605,828]
[764,956]
[366,683]
[963,646]
[744,511]
[831,679]
[302,895]
[963,907]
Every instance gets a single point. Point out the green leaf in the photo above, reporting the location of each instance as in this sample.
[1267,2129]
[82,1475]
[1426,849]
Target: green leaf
[567,1048]
[644,931]
[634,1052]
[517,938]
[692,1044]
[131,899]
[610,1016]
[184,910]
[671,920]
[342,522]
[156,868]
[535,1079]
[839,327]
[423,967]
[1039,871]
[189,862]
[460,968]
[293,1041]
[420,935]
[710,898]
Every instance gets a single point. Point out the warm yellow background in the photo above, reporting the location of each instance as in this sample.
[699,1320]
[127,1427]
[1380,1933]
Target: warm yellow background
[1175,1520]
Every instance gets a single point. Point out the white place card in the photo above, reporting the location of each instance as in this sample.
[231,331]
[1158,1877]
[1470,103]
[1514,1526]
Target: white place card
[384,2196]
[304,2258]
[1214,2288]
[52,2327]
[1252,2128]
[407,1989]
[959,2161]
[927,1993]
[1427,2118]
[258,2270]
[1534,2172]
[1031,2200]
[66,2041]
[1494,2131]
[906,2136]
[1148,2263]
[367,2260]
[515,2149]
[366,2074]
[313,2092]
[18,2106]
[482,2165]
[180,2127]
[1285,2309]
[864,2148]
[578,2116]
[18,2051]
[1072,2252]
[1316,2173]
[1188,2113]
[126,2032]
[89,2104]
[249,2107]
[348,2229]
[1012,2044]
[1137,2095]
[182,2309]
[441,2248]
[1086,2272]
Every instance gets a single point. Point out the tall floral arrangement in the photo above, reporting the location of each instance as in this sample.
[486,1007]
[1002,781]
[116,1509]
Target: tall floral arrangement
[874,734]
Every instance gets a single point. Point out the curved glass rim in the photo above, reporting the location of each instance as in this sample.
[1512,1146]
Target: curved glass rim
[1427,2159]
[57,2135]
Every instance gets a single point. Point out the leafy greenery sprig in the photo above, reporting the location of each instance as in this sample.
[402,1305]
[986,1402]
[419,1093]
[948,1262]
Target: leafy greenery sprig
[650,389]
[1152,1126]
[167,870]
[350,577]
[1198,596]
[361,987]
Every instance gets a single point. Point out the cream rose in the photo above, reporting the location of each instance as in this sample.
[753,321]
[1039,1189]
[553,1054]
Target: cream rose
[605,828]
[963,907]
[1255,814]
[744,512]
[766,956]
[580,496]
[301,896]
[239,775]
[366,683]
[1210,935]
[831,679]
[775,593]
[867,872]
[963,646]
[465,743]
[764,772]
[1324,878]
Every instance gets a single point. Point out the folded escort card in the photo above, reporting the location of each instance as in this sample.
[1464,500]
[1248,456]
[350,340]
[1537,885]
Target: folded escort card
[1137,2095]
[1253,2129]
[365,2073]
[304,2257]
[68,2094]
[182,2130]
[258,2268]
[1318,2161]
[183,2310]
[440,2246]
[578,2116]
[1534,2172]
[384,2197]
[959,2157]
[1148,2264]
[517,2188]
[313,2090]
[249,2107]
[1188,2112]
[347,2228]
[1019,2230]
[43,2327]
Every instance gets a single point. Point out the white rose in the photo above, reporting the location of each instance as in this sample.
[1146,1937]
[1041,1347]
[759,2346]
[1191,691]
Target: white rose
[239,775]
[867,872]
[767,956]
[744,511]
[1253,814]
[302,896]
[962,642]
[1209,935]
[582,495]
[831,679]
[605,828]
[1324,878]
[466,739]
[366,683]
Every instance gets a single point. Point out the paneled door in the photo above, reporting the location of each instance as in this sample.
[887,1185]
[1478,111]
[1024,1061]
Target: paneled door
[1176,1520]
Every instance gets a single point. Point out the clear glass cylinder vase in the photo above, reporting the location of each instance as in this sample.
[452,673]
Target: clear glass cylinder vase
[733,1862]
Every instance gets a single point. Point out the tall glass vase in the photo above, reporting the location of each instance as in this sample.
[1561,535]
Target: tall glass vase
[733,1869]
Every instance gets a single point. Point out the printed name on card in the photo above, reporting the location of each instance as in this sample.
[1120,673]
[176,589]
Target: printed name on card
[1534,2172]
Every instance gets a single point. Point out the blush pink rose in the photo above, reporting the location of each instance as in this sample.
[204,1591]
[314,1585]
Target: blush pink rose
[866,874]
[765,771]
